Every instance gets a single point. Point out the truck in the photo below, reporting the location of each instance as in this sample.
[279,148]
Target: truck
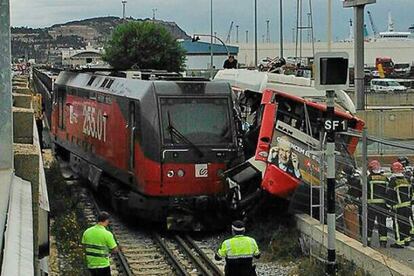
[385,65]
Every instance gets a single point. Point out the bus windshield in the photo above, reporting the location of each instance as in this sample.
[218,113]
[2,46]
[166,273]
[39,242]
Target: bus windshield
[202,121]
[297,136]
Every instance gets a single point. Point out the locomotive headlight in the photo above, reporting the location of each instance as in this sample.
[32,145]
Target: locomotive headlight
[170,173]
[180,173]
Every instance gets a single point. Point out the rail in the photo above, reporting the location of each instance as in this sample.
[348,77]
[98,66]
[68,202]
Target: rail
[179,268]
[210,265]
[120,256]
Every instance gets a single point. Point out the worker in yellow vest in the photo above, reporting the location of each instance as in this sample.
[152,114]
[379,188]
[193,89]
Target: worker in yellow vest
[239,252]
[98,244]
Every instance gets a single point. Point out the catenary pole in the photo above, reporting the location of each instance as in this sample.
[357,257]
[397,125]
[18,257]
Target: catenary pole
[330,183]
[281,27]
[255,34]
[211,41]
[329,34]
[364,187]
[359,7]
[359,57]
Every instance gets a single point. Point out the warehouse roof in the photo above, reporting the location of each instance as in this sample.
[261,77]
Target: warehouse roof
[203,48]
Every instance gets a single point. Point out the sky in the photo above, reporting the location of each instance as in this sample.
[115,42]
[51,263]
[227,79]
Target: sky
[194,15]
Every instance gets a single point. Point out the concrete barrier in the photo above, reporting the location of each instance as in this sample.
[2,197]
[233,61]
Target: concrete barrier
[22,90]
[28,163]
[22,100]
[387,99]
[23,125]
[389,123]
[366,258]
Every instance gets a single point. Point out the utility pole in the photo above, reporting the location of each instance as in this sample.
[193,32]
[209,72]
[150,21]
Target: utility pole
[268,31]
[123,8]
[329,34]
[359,7]
[215,37]
[237,33]
[293,34]
[6,127]
[255,34]
[211,41]
[281,27]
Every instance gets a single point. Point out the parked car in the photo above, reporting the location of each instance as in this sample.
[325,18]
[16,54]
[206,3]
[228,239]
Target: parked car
[386,85]
[402,69]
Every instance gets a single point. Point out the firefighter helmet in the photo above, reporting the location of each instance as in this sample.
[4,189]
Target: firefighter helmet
[374,166]
[404,161]
[397,167]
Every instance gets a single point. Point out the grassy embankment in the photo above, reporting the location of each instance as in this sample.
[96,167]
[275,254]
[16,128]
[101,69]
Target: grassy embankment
[280,241]
[68,223]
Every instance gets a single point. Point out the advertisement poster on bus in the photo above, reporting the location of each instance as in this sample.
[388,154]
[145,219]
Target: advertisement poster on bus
[294,151]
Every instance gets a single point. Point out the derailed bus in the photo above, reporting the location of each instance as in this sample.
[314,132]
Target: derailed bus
[288,136]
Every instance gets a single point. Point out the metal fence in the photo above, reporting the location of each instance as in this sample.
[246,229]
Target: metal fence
[374,207]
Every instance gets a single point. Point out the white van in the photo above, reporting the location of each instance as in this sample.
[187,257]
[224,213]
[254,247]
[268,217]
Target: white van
[386,85]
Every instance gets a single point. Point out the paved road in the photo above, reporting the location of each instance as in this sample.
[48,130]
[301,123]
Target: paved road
[405,255]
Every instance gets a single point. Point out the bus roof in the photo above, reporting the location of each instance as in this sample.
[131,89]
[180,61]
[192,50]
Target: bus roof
[258,81]
[313,104]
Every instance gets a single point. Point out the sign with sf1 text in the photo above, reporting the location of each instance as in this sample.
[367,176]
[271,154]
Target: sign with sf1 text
[336,125]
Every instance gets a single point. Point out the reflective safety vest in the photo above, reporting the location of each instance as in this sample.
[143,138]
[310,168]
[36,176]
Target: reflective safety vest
[402,191]
[98,243]
[377,187]
[239,247]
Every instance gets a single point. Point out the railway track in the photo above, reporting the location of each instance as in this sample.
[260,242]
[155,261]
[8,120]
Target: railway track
[151,253]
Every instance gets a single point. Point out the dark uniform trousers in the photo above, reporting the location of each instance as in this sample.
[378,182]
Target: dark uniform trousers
[105,271]
[379,211]
[402,208]
[240,267]
[377,205]
[402,225]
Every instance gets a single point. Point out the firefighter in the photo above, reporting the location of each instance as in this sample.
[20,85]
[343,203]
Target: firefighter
[98,244]
[400,189]
[239,252]
[377,204]
[408,173]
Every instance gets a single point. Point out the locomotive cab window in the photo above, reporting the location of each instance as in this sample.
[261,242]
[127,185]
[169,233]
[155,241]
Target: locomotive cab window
[198,120]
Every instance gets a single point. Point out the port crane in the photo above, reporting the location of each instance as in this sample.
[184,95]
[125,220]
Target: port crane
[371,21]
[229,33]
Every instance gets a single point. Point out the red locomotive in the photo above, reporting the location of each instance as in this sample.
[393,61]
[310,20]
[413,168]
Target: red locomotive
[154,149]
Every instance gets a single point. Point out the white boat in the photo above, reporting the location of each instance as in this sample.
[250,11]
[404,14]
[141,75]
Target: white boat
[255,81]
[391,34]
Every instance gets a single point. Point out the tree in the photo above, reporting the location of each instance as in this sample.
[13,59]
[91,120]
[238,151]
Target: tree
[146,45]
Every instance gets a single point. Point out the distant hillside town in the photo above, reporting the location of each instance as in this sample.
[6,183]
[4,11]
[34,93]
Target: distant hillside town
[53,44]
